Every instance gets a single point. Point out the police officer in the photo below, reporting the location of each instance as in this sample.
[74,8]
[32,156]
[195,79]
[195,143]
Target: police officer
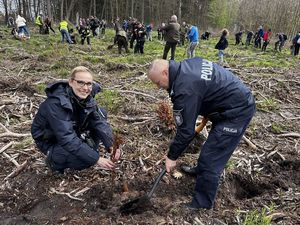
[69,125]
[199,87]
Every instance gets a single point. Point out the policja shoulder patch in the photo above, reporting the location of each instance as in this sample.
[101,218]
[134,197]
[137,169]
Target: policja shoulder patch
[178,117]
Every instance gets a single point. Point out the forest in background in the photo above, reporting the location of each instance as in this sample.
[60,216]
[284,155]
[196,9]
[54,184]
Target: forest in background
[280,16]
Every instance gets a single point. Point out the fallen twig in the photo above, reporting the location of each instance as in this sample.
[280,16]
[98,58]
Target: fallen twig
[65,193]
[6,146]
[253,146]
[38,95]
[289,118]
[291,134]
[8,133]
[138,93]
[81,191]
[134,119]
[11,159]
[17,171]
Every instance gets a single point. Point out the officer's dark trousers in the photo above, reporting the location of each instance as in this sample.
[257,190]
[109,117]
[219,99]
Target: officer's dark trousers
[60,158]
[221,142]
[167,48]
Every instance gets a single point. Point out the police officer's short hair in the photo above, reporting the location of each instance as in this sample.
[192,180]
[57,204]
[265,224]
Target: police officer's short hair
[80,69]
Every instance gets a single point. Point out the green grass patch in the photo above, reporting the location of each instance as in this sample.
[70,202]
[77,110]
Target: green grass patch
[25,143]
[267,104]
[41,88]
[256,217]
[277,128]
[110,99]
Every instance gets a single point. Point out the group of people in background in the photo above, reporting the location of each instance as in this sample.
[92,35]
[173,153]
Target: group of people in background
[261,39]
[134,33]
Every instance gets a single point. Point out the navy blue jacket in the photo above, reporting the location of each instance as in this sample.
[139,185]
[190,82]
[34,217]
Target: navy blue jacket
[57,123]
[200,87]
[222,43]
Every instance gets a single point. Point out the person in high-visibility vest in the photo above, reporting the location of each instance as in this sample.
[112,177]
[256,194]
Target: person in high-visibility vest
[63,28]
[39,22]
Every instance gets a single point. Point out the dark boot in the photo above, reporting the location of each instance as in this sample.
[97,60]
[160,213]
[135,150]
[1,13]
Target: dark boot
[189,170]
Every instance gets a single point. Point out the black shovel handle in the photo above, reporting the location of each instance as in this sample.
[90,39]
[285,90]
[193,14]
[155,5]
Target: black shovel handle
[162,173]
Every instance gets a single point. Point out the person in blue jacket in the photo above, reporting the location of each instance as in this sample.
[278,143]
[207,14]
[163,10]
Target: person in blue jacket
[193,36]
[69,125]
[199,87]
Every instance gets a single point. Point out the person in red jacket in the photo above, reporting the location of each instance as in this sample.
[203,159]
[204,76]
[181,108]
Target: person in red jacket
[266,39]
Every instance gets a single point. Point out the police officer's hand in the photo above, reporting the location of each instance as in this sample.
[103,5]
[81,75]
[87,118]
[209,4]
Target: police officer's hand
[170,164]
[106,163]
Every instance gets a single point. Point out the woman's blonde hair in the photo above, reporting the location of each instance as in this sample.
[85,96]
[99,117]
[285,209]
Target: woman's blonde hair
[80,69]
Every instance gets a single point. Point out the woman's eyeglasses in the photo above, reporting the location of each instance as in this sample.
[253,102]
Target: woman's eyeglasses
[82,83]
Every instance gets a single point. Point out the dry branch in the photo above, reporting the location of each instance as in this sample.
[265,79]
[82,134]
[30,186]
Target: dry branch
[17,171]
[292,134]
[52,190]
[8,133]
[11,159]
[134,119]
[38,95]
[289,118]
[138,93]
[6,146]
[253,146]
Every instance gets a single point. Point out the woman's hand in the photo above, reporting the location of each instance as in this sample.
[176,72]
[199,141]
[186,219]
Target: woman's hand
[106,163]
[117,155]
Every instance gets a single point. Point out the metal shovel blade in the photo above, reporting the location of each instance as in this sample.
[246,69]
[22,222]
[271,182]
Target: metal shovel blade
[138,204]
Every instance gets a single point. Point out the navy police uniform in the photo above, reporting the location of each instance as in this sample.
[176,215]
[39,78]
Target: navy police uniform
[69,130]
[200,87]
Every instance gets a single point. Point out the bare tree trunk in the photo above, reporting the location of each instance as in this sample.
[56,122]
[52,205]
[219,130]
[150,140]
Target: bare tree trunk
[90,9]
[6,10]
[103,8]
[19,5]
[143,10]
[126,9]
[49,11]
[77,18]
[95,8]
[117,9]
[61,9]
[24,9]
[29,8]
[132,5]
[112,11]
[72,4]
[179,10]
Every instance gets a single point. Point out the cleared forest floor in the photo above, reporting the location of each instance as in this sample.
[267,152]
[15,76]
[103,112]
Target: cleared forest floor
[260,182]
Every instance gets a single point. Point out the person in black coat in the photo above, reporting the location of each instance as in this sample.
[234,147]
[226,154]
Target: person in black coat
[279,44]
[140,39]
[296,44]
[69,126]
[196,87]
[222,45]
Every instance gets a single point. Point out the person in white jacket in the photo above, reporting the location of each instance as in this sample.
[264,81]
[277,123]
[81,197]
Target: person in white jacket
[21,25]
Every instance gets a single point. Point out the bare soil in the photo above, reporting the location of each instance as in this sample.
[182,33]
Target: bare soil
[267,177]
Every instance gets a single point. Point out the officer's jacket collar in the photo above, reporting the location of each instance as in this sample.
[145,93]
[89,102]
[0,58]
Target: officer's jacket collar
[174,68]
